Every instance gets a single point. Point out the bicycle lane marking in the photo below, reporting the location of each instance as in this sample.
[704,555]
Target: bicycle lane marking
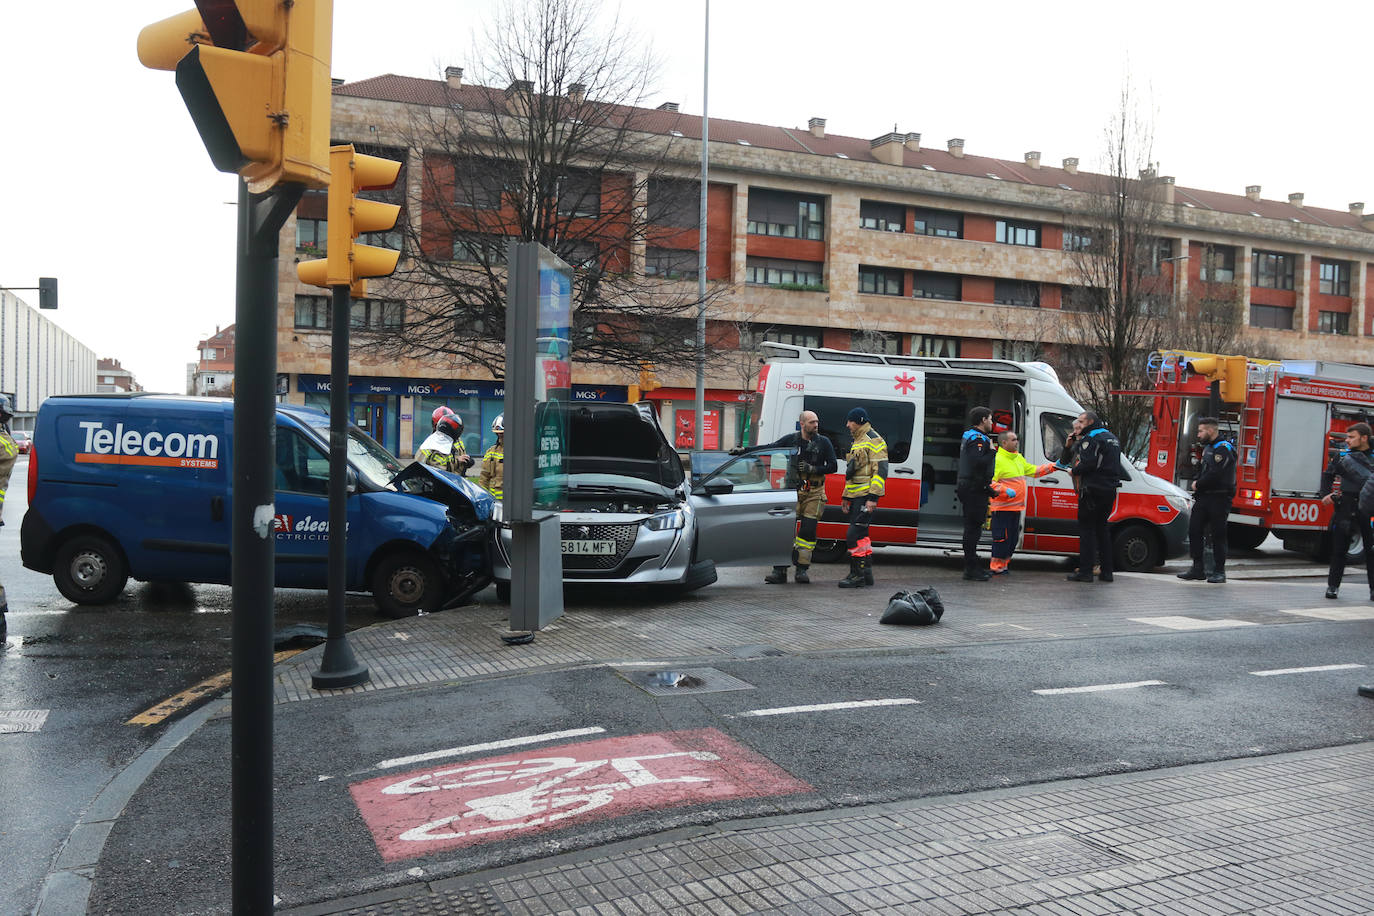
[427,811]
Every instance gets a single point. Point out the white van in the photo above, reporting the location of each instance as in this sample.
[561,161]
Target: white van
[920,406]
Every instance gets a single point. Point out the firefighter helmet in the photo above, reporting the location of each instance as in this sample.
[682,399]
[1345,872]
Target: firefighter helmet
[443,410]
[6,408]
[498,425]
[450,425]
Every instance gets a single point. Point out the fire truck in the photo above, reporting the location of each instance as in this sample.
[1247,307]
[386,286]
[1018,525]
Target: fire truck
[1286,419]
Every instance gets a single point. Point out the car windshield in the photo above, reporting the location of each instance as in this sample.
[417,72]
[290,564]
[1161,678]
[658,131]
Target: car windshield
[368,457]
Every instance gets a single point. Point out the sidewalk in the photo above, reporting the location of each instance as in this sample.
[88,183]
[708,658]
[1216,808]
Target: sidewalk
[1291,834]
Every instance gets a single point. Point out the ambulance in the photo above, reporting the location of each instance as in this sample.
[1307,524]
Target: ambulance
[920,406]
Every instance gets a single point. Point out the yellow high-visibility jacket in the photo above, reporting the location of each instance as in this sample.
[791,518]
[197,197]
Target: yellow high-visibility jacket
[865,474]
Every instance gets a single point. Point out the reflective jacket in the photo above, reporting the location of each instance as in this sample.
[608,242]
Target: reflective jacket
[493,473]
[9,453]
[865,473]
[1010,473]
[1217,472]
[444,452]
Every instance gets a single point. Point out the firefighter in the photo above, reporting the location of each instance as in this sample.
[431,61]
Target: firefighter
[1097,470]
[9,453]
[1342,480]
[1213,490]
[977,461]
[1009,480]
[439,413]
[493,472]
[444,448]
[813,459]
[865,479]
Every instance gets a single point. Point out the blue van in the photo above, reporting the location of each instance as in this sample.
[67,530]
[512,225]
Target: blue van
[139,485]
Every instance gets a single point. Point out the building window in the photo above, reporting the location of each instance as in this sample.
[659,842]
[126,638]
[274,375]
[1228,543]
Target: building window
[1271,316]
[883,217]
[1333,278]
[938,222]
[1078,239]
[671,263]
[1333,322]
[1011,232]
[875,342]
[790,216]
[1018,351]
[930,345]
[480,248]
[313,314]
[481,183]
[1273,271]
[929,285]
[586,255]
[1218,264]
[1162,250]
[579,194]
[797,337]
[1081,299]
[1015,292]
[673,202]
[312,236]
[787,274]
[881,281]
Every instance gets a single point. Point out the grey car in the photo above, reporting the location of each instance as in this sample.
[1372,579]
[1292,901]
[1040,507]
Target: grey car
[632,517]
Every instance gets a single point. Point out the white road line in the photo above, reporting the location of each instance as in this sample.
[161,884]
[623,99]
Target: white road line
[1334,612]
[1049,691]
[1274,671]
[1192,623]
[488,746]
[825,707]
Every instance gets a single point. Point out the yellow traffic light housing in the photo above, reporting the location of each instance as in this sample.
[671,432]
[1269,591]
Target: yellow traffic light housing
[1230,371]
[255,77]
[346,263]
[648,381]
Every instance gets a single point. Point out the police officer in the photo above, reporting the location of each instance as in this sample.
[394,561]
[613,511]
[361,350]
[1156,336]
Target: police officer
[1342,480]
[865,480]
[1097,470]
[973,486]
[9,453]
[444,447]
[1213,490]
[493,473]
[813,459]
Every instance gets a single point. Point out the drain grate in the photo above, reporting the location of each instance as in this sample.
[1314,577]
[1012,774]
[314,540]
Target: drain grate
[675,682]
[13,721]
[464,902]
[1055,855]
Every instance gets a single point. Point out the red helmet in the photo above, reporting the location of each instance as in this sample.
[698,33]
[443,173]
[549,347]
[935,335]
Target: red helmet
[450,425]
[443,410]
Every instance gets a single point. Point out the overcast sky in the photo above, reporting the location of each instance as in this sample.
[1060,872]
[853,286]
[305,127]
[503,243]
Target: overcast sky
[108,187]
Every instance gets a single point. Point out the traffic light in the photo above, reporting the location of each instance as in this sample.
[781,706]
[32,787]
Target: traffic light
[47,292]
[647,382]
[255,77]
[1228,370]
[346,263]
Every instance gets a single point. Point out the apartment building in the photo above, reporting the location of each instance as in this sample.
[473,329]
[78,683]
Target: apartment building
[212,374]
[879,244]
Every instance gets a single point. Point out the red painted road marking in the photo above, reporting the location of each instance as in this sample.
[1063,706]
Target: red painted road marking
[426,811]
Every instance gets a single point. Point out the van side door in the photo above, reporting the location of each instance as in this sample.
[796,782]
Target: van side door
[1052,504]
[300,526]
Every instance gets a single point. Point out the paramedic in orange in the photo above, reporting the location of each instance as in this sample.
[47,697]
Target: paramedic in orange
[1009,480]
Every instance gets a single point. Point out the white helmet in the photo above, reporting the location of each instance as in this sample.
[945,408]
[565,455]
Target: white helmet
[499,424]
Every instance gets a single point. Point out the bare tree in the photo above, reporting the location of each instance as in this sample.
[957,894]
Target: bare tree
[1123,286]
[1210,318]
[553,146]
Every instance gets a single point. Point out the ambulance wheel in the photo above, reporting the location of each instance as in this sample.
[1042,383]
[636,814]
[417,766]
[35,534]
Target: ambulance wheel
[1136,549]
[1245,537]
[89,570]
[406,583]
[828,552]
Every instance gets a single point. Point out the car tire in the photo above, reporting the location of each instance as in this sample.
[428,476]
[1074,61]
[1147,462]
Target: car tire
[89,569]
[699,575]
[406,583]
[1136,548]
[1245,537]
[503,592]
[828,552]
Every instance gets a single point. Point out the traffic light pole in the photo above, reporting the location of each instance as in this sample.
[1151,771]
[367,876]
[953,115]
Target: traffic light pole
[339,668]
[255,433]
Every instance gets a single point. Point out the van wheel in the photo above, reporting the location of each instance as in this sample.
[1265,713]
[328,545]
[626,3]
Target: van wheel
[1135,549]
[828,552]
[89,570]
[1245,537]
[404,584]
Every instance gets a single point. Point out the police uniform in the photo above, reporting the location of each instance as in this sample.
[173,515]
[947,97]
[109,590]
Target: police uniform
[1097,469]
[865,480]
[813,459]
[977,460]
[1214,490]
[1345,475]
[493,473]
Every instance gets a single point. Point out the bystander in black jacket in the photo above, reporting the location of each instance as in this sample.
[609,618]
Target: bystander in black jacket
[1097,473]
[815,456]
[1097,459]
[1216,474]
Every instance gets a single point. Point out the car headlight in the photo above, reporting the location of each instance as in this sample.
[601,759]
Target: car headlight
[667,521]
[1180,503]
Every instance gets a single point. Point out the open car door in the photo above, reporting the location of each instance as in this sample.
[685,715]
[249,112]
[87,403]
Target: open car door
[746,511]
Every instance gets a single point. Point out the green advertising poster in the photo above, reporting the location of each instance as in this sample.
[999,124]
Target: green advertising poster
[553,383]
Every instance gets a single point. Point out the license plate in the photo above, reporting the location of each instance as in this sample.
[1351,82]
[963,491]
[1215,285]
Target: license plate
[589,548]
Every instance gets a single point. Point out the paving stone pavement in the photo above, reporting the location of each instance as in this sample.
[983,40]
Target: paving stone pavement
[1285,834]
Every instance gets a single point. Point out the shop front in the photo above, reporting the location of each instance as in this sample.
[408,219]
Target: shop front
[726,412]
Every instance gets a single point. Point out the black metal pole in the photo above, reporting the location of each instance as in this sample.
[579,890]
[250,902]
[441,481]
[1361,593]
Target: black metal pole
[255,429]
[339,668]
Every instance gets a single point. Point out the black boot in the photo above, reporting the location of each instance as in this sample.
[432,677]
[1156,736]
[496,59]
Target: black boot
[868,569]
[976,574]
[1195,574]
[803,578]
[777,577]
[855,579]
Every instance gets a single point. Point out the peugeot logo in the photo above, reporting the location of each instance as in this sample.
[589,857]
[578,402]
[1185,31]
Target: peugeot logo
[583,531]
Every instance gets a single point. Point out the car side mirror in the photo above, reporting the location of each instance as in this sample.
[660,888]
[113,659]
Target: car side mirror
[350,481]
[717,487]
